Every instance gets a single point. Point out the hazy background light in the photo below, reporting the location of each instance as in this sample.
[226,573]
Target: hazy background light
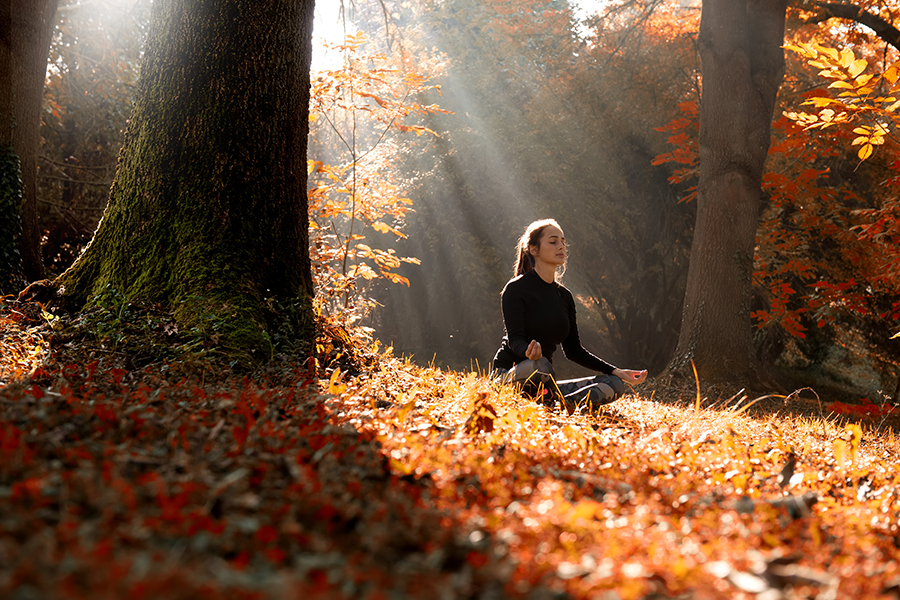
[332,24]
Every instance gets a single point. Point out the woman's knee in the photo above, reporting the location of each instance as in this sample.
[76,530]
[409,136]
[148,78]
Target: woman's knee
[613,382]
[617,384]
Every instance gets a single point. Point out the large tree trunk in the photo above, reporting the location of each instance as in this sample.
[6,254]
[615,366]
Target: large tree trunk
[743,66]
[25,30]
[208,213]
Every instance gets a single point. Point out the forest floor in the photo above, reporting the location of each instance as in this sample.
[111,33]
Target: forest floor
[127,476]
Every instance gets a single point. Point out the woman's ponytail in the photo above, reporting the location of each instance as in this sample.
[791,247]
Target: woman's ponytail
[524,260]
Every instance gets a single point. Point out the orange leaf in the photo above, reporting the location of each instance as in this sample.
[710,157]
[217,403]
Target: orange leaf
[865,152]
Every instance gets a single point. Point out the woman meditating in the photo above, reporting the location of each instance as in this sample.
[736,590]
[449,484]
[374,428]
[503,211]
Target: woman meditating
[539,314]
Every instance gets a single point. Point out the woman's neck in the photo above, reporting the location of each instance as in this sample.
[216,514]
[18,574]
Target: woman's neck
[546,271]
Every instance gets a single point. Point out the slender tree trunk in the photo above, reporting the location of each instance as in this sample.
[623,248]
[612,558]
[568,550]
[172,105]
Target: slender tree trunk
[208,210]
[743,66]
[25,30]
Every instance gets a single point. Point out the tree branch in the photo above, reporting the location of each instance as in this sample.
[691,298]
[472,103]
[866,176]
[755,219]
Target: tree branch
[851,12]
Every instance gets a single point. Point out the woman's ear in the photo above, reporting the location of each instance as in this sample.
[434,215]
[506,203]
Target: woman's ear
[533,250]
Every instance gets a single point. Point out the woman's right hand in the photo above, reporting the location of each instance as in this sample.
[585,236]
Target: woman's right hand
[630,375]
[534,351]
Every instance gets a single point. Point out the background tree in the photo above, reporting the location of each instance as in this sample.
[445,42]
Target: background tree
[94,60]
[25,28]
[820,286]
[743,65]
[207,213]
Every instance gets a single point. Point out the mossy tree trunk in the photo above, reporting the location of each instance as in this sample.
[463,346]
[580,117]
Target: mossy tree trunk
[25,30]
[743,66]
[207,213]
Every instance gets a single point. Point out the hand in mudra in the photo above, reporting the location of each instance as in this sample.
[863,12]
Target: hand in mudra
[534,350]
[630,375]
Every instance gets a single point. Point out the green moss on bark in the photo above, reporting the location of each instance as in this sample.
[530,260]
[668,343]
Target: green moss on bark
[208,213]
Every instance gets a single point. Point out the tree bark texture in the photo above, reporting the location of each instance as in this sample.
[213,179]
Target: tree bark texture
[25,30]
[207,212]
[743,66]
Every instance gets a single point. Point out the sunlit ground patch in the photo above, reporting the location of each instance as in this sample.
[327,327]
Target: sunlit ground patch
[646,496]
[23,344]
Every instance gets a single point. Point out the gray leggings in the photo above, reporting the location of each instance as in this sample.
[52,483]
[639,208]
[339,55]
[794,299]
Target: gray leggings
[597,390]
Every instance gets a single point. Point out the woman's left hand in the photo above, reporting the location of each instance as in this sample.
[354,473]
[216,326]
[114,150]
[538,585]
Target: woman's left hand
[630,375]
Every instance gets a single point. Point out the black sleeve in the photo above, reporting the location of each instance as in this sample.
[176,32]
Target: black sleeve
[513,306]
[572,347]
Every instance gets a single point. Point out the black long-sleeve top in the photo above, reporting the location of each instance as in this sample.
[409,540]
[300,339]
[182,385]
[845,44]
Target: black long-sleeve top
[536,310]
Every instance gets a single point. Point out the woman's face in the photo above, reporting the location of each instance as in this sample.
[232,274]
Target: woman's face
[552,248]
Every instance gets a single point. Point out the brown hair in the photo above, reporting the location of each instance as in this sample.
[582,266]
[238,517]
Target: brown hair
[532,237]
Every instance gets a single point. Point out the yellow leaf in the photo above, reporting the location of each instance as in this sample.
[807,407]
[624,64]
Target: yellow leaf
[364,271]
[831,52]
[862,131]
[805,50]
[840,452]
[819,101]
[399,279]
[847,58]
[844,85]
[816,532]
[405,409]
[400,467]
[855,434]
[679,568]
[511,418]
[584,511]
[857,67]
[865,152]
[895,336]
[860,140]
[334,385]
[892,73]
